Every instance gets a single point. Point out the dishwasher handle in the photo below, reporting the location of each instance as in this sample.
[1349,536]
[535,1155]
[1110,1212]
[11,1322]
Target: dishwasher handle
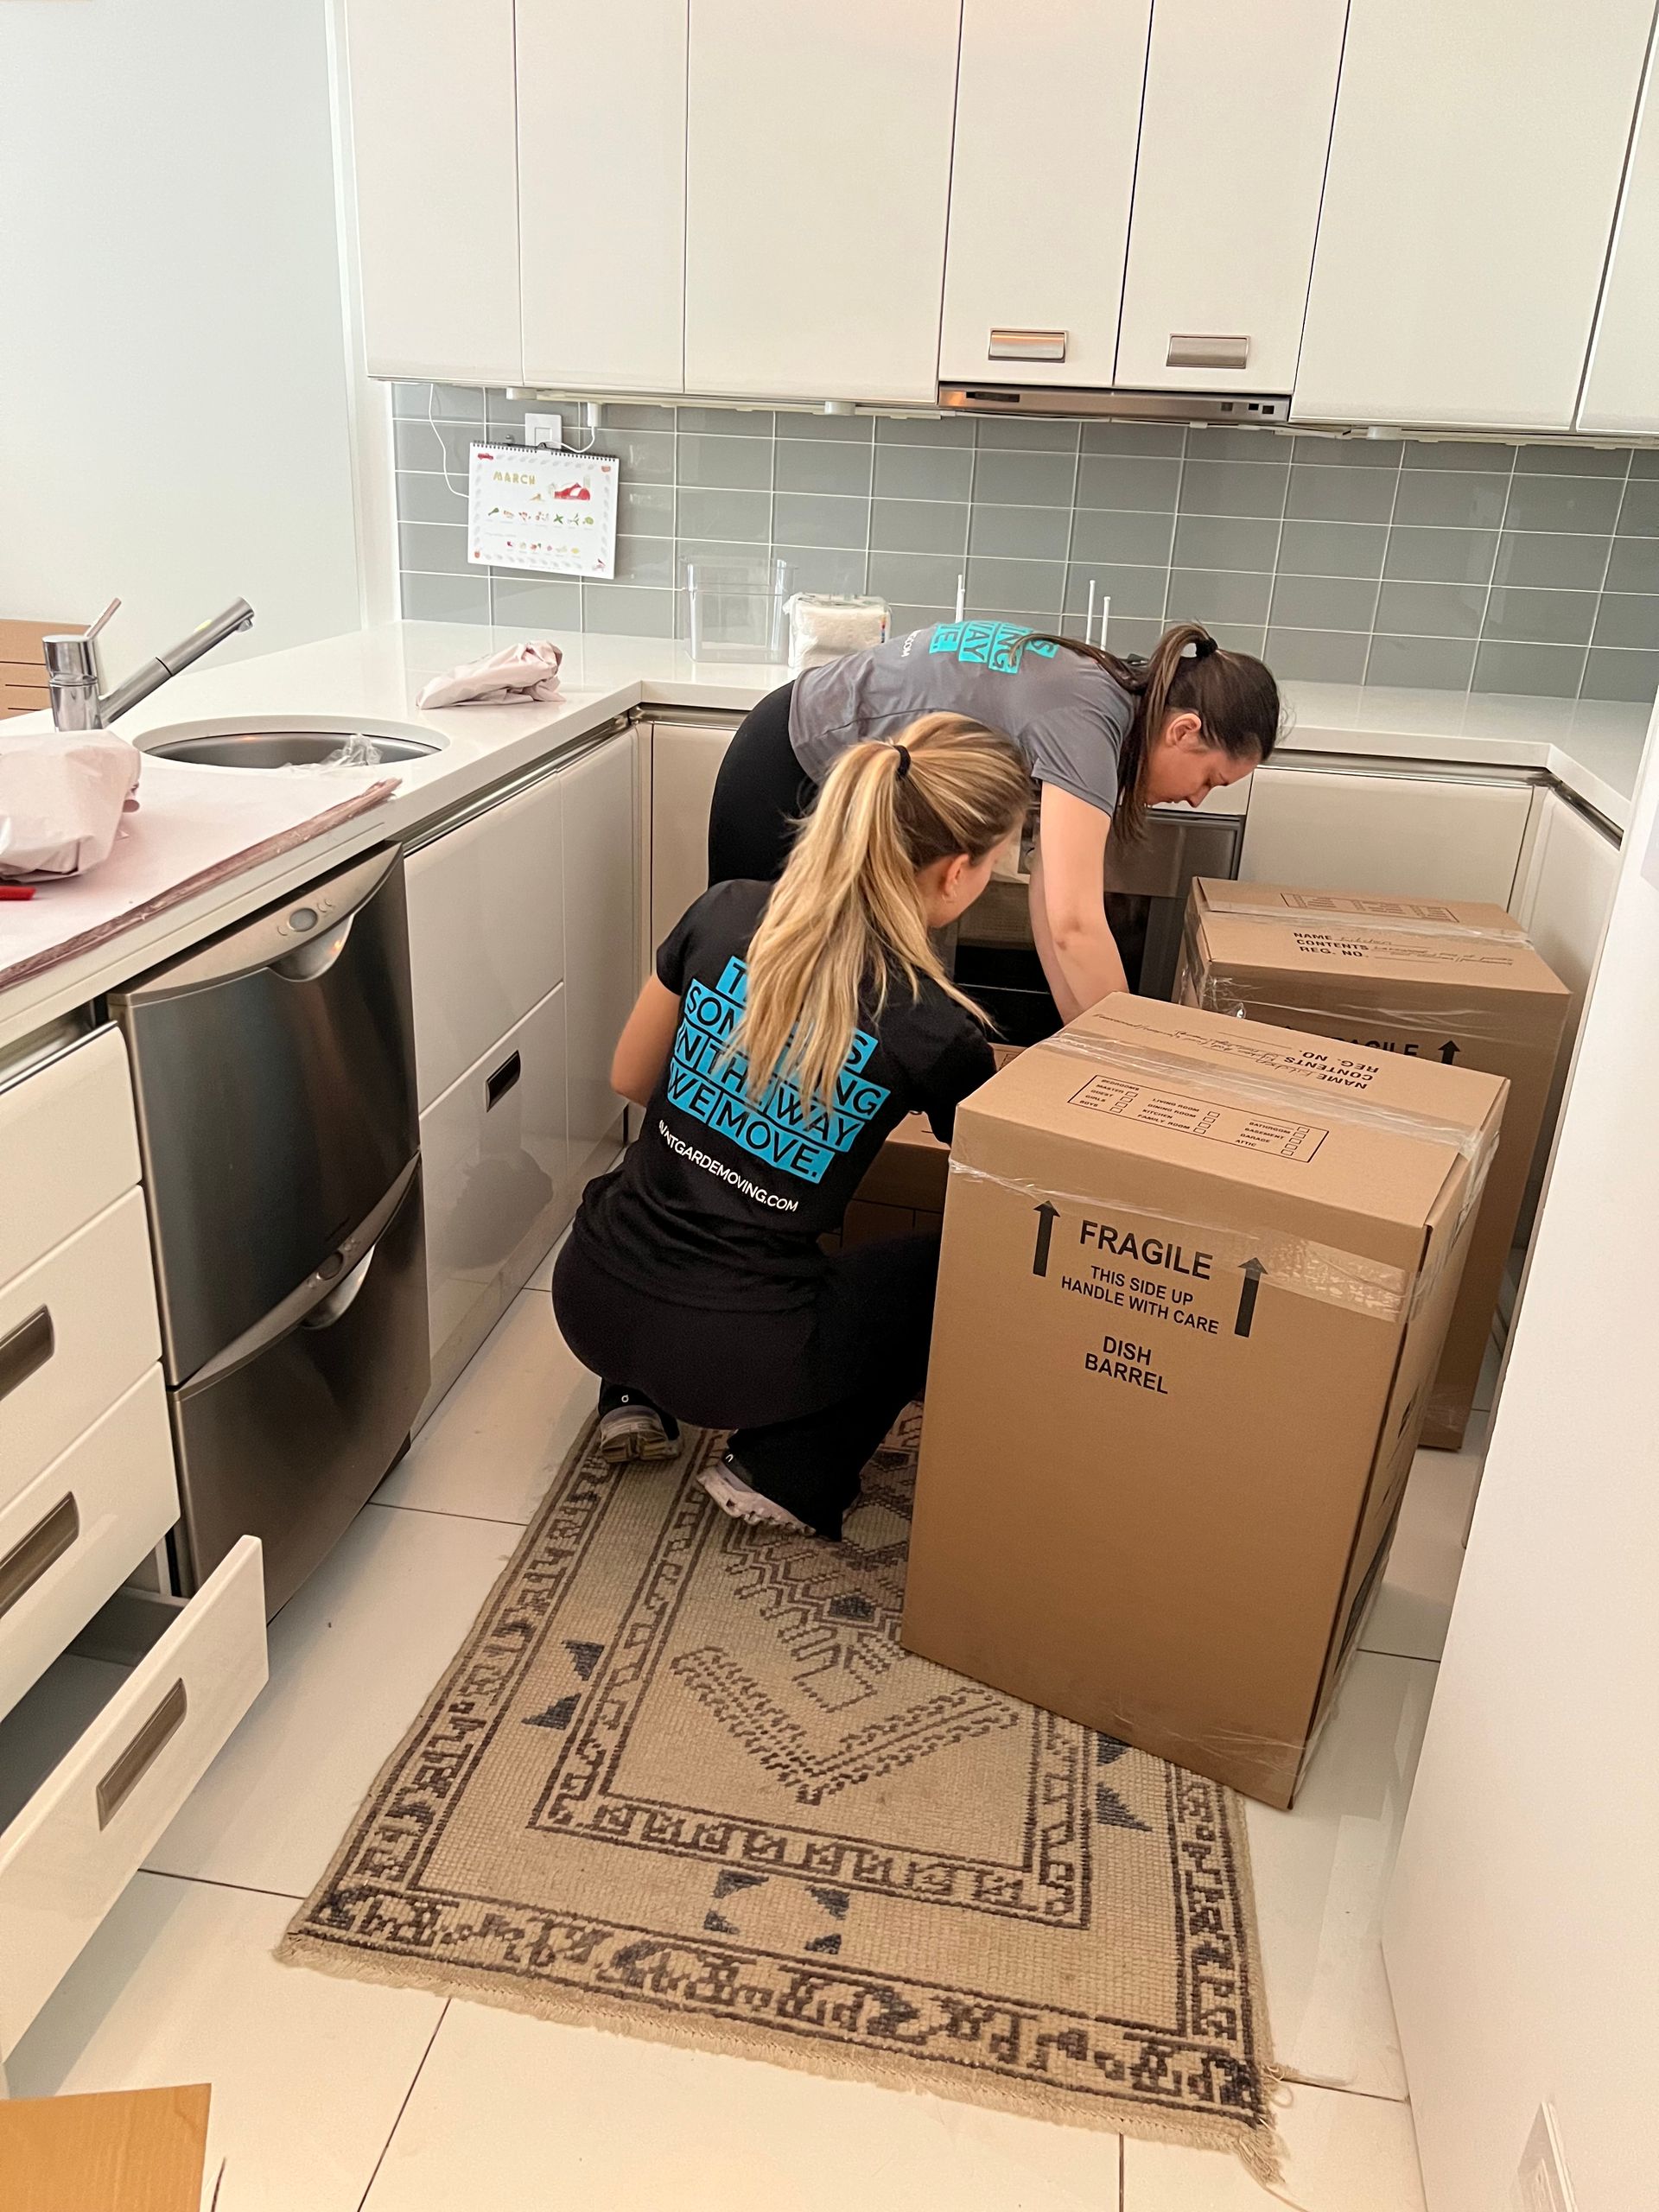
[288,938]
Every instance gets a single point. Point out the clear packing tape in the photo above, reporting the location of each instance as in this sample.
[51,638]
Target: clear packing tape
[1299,1264]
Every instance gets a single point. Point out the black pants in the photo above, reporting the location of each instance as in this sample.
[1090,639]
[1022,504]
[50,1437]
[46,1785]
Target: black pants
[760,793]
[809,1394]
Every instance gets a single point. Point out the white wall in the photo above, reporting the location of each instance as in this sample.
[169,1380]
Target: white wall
[173,377]
[1522,1939]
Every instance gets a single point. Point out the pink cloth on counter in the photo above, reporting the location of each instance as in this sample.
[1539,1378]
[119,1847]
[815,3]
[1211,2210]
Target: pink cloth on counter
[508,678]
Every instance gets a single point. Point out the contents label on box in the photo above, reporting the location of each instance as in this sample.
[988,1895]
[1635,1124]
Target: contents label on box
[1200,1117]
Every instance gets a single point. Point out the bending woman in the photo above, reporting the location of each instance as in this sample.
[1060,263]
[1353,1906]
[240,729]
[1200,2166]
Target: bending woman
[1103,740]
[786,1032]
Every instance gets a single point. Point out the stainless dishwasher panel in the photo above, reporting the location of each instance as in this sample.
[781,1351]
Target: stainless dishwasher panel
[286,1434]
[275,1077]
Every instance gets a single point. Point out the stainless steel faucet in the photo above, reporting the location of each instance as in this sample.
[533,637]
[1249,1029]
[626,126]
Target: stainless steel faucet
[72,680]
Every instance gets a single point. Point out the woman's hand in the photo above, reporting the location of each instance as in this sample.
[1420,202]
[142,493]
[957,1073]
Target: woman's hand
[1068,904]
[642,1050]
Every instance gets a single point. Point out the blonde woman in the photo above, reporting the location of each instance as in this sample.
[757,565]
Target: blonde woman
[788,1027]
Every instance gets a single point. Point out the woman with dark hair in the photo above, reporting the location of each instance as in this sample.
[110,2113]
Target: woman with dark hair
[1103,739]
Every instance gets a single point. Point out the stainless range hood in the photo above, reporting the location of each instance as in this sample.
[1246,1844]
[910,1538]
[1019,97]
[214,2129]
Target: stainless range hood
[985,398]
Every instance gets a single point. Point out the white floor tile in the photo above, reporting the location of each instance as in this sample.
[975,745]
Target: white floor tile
[501,1436]
[1414,1603]
[308,2073]
[1321,1871]
[351,1657]
[1343,2154]
[513,2111]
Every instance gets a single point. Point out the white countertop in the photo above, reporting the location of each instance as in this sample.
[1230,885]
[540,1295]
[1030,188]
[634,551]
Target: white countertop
[368,680]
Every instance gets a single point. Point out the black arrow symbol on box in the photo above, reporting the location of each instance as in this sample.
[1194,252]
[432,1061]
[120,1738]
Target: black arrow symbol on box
[1449,1050]
[1047,1216]
[1253,1272]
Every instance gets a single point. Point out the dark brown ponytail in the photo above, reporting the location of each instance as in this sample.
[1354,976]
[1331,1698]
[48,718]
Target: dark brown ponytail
[1186,673]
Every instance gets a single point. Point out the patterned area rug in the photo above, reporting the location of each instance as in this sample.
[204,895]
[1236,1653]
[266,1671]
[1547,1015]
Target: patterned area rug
[682,1782]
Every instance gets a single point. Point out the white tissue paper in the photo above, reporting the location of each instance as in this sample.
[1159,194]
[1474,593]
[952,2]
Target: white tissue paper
[822,628]
[62,793]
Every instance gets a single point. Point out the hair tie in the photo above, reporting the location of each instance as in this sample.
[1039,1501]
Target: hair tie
[1203,647]
[903,751]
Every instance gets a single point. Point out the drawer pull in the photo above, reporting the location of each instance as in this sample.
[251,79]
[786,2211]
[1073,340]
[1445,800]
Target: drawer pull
[497,1086]
[140,1755]
[1027,345]
[1194,351]
[28,1346]
[46,1543]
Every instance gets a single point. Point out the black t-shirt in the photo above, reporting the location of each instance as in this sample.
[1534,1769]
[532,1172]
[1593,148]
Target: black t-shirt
[723,1199]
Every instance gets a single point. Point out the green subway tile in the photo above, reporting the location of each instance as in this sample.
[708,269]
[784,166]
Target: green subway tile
[1132,633]
[995,583]
[1330,494]
[921,431]
[1579,503]
[923,472]
[648,456]
[628,610]
[1434,663]
[903,619]
[418,446]
[1323,603]
[1457,453]
[1348,453]
[429,498]
[1465,499]
[724,464]
[1132,540]
[1131,591]
[1133,438]
[1445,556]
[1430,610]
[816,519]
[434,549]
[1030,533]
[1541,672]
[1332,549]
[727,421]
[445,403]
[919,526]
[1238,637]
[1316,656]
[1517,616]
[1226,542]
[706,512]
[1623,619]
[1644,462]
[838,568]
[1639,515]
[1551,558]
[1023,480]
[827,430]
[1573,460]
[521,602]
[1612,674]
[1634,565]
[1218,596]
[647,561]
[1228,441]
[445,599]
[813,465]
[644,509]
[1234,487]
[1147,482]
[916,579]
[1003,433]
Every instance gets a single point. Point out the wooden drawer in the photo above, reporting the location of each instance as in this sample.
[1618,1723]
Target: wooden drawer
[68,1148]
[493,1156]
[486,930]
[72,1535]
[96,1760]
[76,1329]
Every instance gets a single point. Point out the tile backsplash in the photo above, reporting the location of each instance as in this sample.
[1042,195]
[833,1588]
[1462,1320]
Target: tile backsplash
[1452,564]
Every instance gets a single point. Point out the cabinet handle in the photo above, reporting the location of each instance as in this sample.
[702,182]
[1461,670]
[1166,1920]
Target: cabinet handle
[27,1346]
[497,1086]
[1190,351]
[46,1542]
[129,1768]
[1027,345]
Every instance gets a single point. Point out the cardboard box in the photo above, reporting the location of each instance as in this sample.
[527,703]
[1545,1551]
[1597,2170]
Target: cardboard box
[902,1193]
[129,2150]
[1433,980]
[1191,1301]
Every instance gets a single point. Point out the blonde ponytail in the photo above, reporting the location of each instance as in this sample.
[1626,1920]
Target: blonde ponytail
[846,914]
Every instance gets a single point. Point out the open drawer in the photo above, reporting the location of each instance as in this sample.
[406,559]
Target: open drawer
[98,1757]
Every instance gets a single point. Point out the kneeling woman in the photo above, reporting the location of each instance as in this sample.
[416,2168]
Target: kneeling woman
[788,1028]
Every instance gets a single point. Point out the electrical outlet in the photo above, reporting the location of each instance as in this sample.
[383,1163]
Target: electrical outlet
[543,430]
[1541,2185]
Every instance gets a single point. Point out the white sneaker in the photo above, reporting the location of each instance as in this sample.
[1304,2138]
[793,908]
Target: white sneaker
[733,1496]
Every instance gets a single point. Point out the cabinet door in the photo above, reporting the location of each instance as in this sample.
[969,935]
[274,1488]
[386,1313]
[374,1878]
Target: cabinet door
[1391,837]
[1048,113]
[602,211]
[684,762]
[1234,134]
[818,174]
[1622,391]
[601,974]
[1474,171]
[436,187]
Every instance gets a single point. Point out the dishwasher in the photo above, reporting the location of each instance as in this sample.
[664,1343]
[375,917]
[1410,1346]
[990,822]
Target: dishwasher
[275,1075]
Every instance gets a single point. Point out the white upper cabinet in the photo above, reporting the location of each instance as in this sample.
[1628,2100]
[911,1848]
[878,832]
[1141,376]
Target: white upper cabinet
[601,192]
[1621,393]
[436,185]
[1474,171]
[1234,134]
[1048,108]
[817,176]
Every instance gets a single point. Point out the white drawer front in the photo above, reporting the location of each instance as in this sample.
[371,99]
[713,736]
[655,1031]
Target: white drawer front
[82,1835]
[76,1329]
[494,1173]
[486,930]
[78,1530]
[68,1148]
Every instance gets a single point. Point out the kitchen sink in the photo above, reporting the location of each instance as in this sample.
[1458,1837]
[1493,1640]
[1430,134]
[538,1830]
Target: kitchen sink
[287,748]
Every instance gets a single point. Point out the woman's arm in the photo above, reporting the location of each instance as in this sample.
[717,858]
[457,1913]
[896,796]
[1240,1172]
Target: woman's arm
[1068,904]
[642,1050]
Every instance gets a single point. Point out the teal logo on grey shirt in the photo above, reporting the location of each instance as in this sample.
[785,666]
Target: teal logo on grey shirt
[999,645]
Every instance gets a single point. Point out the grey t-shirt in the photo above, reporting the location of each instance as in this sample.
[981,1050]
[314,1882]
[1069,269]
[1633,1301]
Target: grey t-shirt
[1063,710]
